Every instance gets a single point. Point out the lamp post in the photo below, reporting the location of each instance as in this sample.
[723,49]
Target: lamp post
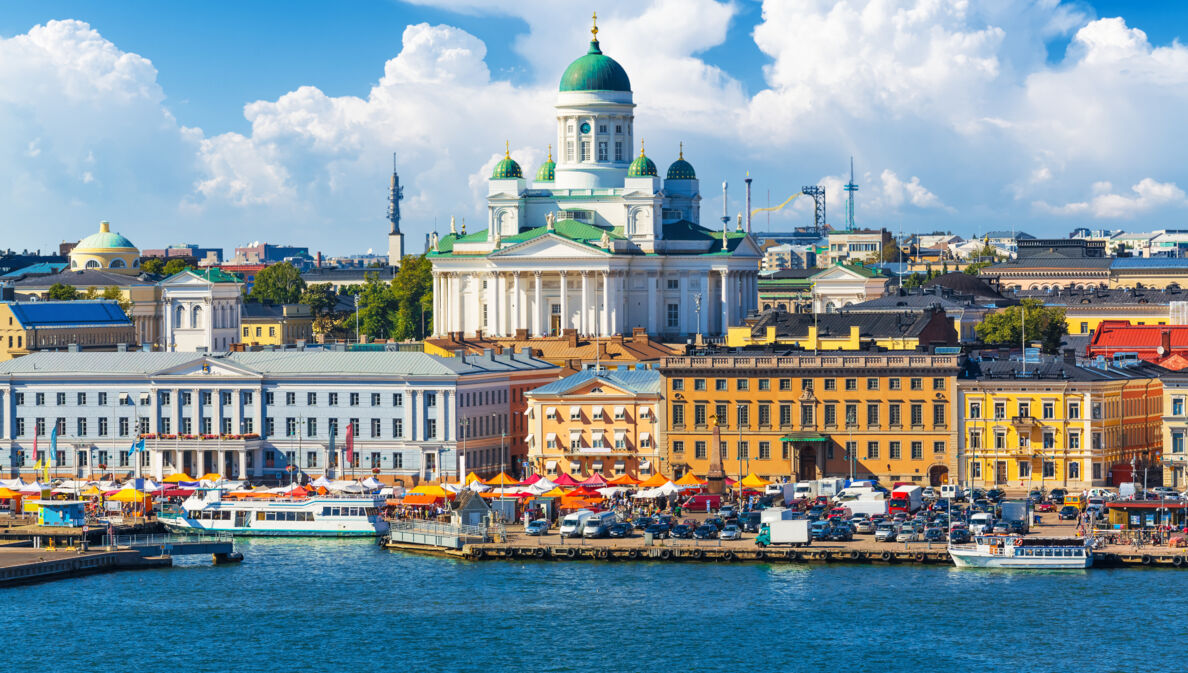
[463,427]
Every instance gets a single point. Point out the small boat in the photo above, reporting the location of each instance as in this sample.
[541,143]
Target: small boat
[314,516]
[1023,553]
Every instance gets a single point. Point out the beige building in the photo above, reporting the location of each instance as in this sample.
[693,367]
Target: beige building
[857,245]
[26,327]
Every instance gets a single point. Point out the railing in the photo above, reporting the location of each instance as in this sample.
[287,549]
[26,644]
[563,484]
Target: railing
[143,540]
[808,361]
[441,529]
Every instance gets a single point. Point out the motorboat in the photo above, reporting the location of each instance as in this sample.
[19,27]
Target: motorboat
[331,515]
[1023,553]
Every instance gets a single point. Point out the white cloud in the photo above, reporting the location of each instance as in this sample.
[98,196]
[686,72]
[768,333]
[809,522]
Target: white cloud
[1148,195]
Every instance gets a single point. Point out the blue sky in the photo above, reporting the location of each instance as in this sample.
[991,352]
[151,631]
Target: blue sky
[1043,115]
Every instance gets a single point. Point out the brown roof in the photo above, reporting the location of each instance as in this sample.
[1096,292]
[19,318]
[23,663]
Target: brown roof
[568,350]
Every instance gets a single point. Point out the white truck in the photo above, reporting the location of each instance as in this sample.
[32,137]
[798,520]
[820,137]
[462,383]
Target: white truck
[805,489]
[598,525]
[867,506]
[794,532]
[830,487]
[776,514]
[951,492]
[573,523]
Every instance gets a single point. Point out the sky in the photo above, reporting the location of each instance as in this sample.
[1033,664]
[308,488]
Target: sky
[222,123]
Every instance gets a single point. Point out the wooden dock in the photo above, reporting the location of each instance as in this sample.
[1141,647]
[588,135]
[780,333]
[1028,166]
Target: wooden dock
[24,565]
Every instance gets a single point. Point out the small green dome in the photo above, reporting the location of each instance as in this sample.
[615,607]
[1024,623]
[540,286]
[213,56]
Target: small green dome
[104,240]
[548,170]
[642,167]
[595,72]
[507,168]
[681,170]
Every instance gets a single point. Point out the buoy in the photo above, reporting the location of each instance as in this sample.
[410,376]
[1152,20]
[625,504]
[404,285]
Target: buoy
[792,556]
[478,554]
[571,553]
[633,554]
[602,554]
[920,556]
[727,555]
[698,554]
[759,555]
[1147,559]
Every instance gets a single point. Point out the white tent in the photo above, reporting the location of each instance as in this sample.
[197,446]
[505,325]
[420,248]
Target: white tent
[478,487]
[320,482]
[35,487]
[372,483]
[12,484]
[150,486]
[542,485]
[660,491]
[611,491]
[340,486]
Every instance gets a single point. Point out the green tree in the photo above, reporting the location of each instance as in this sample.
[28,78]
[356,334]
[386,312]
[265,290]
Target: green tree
[153,265]
[174,266]
[890,252]
[1044,323]
[320,298]
[412,290]
[113,293]
[279,283]
[376,308]
[91,293]
[976,268]
[62,292]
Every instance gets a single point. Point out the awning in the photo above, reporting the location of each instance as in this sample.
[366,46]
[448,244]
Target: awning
[596,465]
[646,412]
[620,432]
[550,464]
[551,437]
[644,436]
[575,413]
[529,412]
[595,411]
[804,437]
[620,465]
[598,432]
[419,499]
[574,432]
[645,465]
[528,439]
[551,412]
[620,412]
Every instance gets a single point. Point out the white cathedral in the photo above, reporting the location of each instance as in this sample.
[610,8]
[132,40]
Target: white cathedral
[598,242]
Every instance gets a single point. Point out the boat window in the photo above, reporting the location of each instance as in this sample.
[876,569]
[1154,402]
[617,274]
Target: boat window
[372,511]
[335,511]
[325,511]
[270,516]
[259,516]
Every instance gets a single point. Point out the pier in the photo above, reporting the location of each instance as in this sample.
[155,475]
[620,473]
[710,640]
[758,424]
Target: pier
[24,562]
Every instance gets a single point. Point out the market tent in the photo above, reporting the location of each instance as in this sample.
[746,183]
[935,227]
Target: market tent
[178,492]
[565,480]
[690,479]
[128,495]
[92,491]
[665,489]
[420,499]
[342,486]
[501,480]
[296,492]
[754,481]
[8,494]
[210,476]
[150,486]
[532,479]
[655,481]
[434,490]
[555,492]
[320,482]
[594,480]
[611,491]
[372,482]
[471,477]
[178,477]
[583,492]
[623,480]
[34,487]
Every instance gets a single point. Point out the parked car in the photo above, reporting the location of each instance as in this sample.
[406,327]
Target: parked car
[840,531]
[748,521]
[864,526]
[621,530]
[643,522]
[730,532]
[934,534]
[1068,513]
[907,534]
[659,531]
[682,532]
[537,527]
[929,493]
[820,530]
[716,522]
[727,511]
[994,495]
[1057,493]
[886,532]
[705,532]
[959,536]
[1001,528]
[1018,527]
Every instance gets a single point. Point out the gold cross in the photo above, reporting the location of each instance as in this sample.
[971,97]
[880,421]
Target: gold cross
[594,30]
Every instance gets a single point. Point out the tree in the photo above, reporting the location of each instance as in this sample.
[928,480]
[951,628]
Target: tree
[113,293]
[411,287]
[174,266]
[320,297]
[890,252]
[91,293]
[976,268]
[62,292]
[1043,323]
[278,283]
[153,265]
[376,308]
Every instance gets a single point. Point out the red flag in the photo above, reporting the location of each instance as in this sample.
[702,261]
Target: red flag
[350,444]
[34,445]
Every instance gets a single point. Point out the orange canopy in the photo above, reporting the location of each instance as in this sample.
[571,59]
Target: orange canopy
[583,492]
[689,480]
[420,499]
[555,492]
[501,479]
[178,477]
[8,494]
[654,481]
[623,480]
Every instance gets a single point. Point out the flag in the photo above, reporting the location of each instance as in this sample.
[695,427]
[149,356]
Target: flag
[136,446]
[333,434]
[35,444]
[350,444]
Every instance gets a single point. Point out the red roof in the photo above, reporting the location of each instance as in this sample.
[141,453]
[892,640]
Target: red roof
[1119,336]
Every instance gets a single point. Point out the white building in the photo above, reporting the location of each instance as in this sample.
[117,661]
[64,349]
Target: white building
[598,242]
[201,310]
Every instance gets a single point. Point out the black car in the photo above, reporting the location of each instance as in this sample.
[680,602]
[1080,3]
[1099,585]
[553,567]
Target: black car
[994,495]
[658,530]
[716,522]
[682,532]
[705,532]
[959,536]
[1035,496]
[749,522]
[620,530]
[1018,527]
[934,534]
[1068,513]
[643,522]
[840,532]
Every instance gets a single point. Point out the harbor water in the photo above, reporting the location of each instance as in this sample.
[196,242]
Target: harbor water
[346,605]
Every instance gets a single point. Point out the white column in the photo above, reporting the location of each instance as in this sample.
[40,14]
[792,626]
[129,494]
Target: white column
[686,308]
[538,313]
[564,300]
[437,301]
[242,462]
[653,308]
[518,304]
[492,309]
[703,318]
[584,316]
[456,323]
[605,321]
[725,275]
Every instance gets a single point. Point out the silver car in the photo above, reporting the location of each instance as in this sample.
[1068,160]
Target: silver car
[886,532]
[865,526]
[908,534]
[730,532]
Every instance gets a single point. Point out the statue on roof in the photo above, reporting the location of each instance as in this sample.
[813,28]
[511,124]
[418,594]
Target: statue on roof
[605,242]
[453,226]
[433,241]
[550,219]
[738,223]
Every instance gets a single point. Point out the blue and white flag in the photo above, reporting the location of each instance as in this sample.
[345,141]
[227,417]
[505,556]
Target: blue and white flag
[136,446]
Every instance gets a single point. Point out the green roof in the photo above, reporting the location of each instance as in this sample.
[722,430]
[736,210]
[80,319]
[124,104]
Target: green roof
[212,274]
[507,169]
[642,167]
[864,271]
[570,229]
[595,72]
[547,172]
[104,240]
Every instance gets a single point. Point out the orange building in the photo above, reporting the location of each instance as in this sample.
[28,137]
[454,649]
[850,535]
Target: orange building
[602,421]
[868,414]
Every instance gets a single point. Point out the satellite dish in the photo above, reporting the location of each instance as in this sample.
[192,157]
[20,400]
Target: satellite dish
[1160,350]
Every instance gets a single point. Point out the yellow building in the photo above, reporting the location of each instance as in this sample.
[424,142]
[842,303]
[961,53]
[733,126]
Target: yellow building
[1084,310]
[883,415]
[1175,429]
[846,331]
[601,421]
[275,325]
[59,325]
[1052,422]
[105,250]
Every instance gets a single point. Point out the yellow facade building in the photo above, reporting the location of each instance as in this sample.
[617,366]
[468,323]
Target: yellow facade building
[275,325]
[1084,310]
[846,331]
[26,327]
[105,250]
[595,421]
[1052,422]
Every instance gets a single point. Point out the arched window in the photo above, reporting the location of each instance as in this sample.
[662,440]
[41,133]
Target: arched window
[179,317]
[118,263]
[74,263]
[196,317]
[92,264]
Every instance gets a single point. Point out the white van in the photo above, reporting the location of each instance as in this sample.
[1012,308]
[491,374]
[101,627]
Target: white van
[981,522]
[571,525]
[951,492]
[598,524]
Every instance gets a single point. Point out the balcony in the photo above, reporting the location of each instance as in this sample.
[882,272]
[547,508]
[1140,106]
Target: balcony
[1024,422]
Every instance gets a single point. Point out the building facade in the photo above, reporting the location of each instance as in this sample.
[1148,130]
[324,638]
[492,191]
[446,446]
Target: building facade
[201,310]
[105,250]
[596,422]
[1175,430]
[26,327]
[412,416]
[1052,422]
[275,325]
[884,415]
[598,242]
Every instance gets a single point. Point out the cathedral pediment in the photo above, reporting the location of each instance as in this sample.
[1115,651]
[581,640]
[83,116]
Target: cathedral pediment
[550,246]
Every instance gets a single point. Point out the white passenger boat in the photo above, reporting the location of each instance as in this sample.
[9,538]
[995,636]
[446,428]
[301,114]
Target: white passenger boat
[1024,553]
[314,516]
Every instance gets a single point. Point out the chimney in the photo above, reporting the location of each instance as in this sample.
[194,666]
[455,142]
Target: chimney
[640,336]
[526,352]
[570,335]
[1165,341]
[521,334]
[1070,356]
[121,348]
[489,353]
[460,354]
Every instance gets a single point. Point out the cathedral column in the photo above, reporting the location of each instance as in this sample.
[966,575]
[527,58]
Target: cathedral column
[619,305]
[584,316]
[538,310]
[605,321]
[492,301]
[437,303]
[456,303]
[564,300]
[517,313]
[653,281]
[725,300]
[685,309]
[703,316]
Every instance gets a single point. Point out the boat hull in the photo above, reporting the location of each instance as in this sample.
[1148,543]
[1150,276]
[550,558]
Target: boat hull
[183,528]
[963,559]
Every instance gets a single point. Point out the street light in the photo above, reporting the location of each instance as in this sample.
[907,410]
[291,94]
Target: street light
[463,427]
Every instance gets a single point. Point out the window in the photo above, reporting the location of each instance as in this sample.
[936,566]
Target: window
[699,450]
[894,450]
[620,413]
[917,450]
[1074,410]
[830,415]
[618,150]
[575,413]
[938,383]
[851,415]
[1024,409]
[397,428]
[720,416]
[678,447]
[806,415]
[764,450]
[19,398]
[206,397]
[165,426]
[917,384]
[872,415]
[938,414]
[1096,412]
[764,384]
[764,415]
[247,398]
[1074,470]
[398,399]
[39,399]
[1049,440]
[61,399]
[699,414]
[311,399]
[1049,410]
[742,384]
[375,399]
[851,451]
[893,384]
[744,451]
[602,151]
[431,428]
[678,384]
[1024,469]
[82,427]
[333,399]
[743,415]
[1074,441]
[1000,440]
[872,450]
[999,411]
[82,399]
[786,384]
[938,448]
[354,399]
[975,439]
[720,385]
[976,470]
[290,427]
[225,398]
[893,416]
[375,427]
[872,384]
[290,399]
[678,415]
[851,384]
[187,425]
[271,331]
[430,400]
[123,428]
[975,409]
[259,331]
[585,150]
[830,384]
[699,384]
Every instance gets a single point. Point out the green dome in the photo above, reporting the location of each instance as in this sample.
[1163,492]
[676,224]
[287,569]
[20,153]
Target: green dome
[507,169]
[642,167]
[548,170]
[681,170]
[595,72]
[104,240]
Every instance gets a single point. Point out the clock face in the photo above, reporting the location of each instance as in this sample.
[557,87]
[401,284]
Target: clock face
[585,127]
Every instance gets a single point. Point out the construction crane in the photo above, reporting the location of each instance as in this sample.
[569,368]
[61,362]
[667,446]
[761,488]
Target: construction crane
[816,193]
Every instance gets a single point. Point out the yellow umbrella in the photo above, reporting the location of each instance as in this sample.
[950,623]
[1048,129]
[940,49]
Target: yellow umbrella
[177,477]
[429,489]
[501,479]
[754,481]
[128,495]
[210,476]
[8,493]
[471,478]
[556,492]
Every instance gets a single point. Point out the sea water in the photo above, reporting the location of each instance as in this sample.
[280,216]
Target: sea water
[320,605]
